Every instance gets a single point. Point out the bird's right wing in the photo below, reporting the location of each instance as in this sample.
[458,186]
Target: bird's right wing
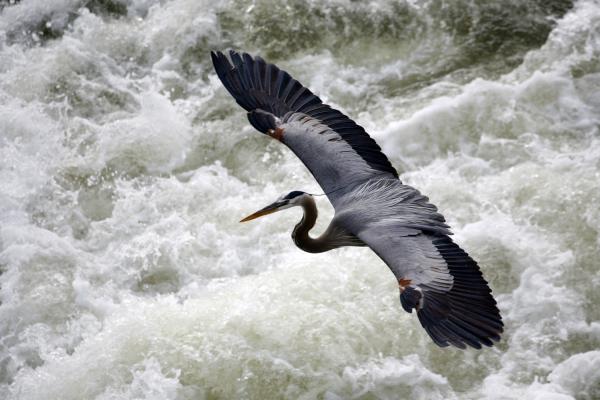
[332,161]
[436,277]
[337,151]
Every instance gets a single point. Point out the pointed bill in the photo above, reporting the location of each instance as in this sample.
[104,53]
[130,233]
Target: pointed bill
[270,209]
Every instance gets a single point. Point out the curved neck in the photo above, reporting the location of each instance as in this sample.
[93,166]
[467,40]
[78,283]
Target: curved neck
[300,233]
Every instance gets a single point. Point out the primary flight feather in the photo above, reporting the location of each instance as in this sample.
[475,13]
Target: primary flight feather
[372,206]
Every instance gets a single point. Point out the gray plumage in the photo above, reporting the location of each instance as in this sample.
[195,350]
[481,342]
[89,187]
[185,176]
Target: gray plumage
[372,206]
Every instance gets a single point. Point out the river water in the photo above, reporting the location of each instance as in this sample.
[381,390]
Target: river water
[125,166]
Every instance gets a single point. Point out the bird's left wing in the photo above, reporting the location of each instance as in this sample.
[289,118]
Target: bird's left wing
[337,151]
[436,277]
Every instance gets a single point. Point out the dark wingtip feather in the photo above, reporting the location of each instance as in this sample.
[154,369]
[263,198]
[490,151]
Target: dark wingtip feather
[410,298]
[467,314]
[262,121]
[275,91]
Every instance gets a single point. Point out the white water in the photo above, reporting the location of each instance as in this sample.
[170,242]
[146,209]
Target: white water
[125,166]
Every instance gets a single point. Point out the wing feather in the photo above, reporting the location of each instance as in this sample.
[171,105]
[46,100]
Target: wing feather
[330,159]
[437,278]
[257,85]
[453,301]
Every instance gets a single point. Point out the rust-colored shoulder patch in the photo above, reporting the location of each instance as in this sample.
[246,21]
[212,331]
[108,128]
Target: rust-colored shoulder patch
[403,283]
[276,133]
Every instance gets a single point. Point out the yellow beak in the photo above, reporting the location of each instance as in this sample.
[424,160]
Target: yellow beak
[270,209]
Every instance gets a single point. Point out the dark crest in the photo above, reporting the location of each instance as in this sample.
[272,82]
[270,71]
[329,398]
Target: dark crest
[293,194]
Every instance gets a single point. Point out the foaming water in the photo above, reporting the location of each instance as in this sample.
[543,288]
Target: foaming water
[125,166]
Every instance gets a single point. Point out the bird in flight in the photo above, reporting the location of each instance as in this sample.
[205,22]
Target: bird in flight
[372,206]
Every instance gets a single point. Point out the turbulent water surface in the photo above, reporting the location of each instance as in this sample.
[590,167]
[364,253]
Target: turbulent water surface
[125,166]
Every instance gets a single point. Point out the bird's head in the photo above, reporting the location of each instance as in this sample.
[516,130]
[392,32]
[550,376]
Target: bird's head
[286,201]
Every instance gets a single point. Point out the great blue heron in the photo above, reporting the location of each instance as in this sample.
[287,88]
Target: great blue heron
[372,206]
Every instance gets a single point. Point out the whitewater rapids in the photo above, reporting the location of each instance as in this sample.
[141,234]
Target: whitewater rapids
[125,166]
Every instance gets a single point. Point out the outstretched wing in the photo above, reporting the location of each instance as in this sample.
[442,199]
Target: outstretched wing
[280,106]
[440,280]
[436,277]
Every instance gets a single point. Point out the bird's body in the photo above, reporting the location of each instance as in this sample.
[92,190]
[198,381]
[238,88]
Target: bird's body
[372,206]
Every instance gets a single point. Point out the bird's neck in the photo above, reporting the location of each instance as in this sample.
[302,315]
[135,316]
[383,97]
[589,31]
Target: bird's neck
[302,239]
